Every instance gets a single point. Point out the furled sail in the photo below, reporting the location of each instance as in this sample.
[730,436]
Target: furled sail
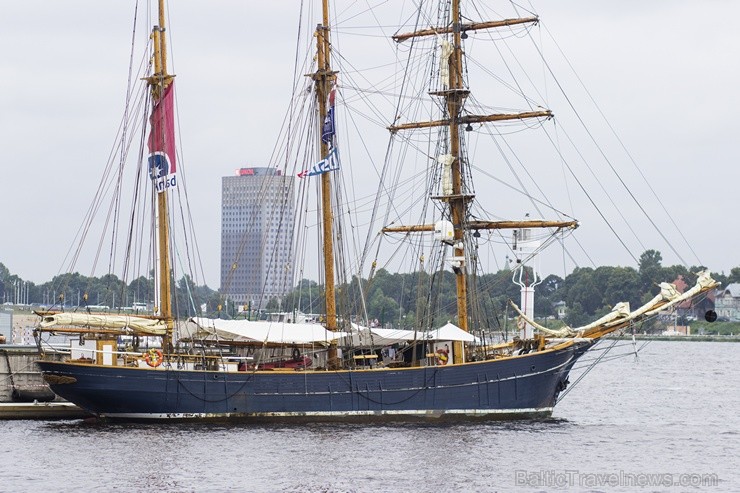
[621,314]
[444,63]
[148,326]
[704,282]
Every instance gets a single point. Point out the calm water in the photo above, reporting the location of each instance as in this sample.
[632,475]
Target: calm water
[672,416]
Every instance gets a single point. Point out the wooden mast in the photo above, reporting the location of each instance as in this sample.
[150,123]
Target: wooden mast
[324,78]
[458,204]
[158,83]
[459,198]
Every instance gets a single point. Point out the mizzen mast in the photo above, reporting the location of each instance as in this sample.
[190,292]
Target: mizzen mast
[456,196]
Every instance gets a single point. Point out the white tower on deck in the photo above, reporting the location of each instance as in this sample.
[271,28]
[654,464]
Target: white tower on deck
[525,248]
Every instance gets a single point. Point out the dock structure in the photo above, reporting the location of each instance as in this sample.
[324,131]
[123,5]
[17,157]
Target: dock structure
[23,392]
[54,410]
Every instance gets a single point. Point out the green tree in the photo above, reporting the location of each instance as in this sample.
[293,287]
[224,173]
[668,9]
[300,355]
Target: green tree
[307,297]
[382,307]
[141,290]
[576,316]
[650,270]
[186,299]
[582,291]
[623,284]
[546,294]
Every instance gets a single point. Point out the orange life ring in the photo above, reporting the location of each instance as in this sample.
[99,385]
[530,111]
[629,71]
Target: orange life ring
[154,358]
[441,356]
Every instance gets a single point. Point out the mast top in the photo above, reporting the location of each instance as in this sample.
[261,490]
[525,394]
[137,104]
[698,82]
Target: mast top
[160,79]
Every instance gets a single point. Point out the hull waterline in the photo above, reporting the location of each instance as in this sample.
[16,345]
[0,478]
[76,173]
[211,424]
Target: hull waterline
[525,386]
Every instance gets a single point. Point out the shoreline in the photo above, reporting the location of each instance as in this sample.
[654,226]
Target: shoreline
[689,338]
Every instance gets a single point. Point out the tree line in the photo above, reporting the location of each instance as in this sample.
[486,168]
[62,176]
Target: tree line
[76,291]
[419,299]
[402,300]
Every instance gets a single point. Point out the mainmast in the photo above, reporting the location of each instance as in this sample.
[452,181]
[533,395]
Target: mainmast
[454,94]
[158,82]
[324,78]
[458,203]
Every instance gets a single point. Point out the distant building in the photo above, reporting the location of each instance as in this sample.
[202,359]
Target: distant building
[561,309]
[677,330]
[693,309]
[257,216]
[727,302]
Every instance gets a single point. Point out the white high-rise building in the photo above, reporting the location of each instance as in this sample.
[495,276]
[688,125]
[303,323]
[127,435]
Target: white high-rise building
[257,214]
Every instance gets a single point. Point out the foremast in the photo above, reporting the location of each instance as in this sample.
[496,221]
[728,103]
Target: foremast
[158,82]
[457,199]
[323,78]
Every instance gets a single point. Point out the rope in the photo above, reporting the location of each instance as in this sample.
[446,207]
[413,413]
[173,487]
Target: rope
[591,367]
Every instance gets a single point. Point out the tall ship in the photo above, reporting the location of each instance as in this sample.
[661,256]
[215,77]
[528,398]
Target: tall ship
[338,365]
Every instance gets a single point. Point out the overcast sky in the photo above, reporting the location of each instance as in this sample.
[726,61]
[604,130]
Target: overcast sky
[665,73]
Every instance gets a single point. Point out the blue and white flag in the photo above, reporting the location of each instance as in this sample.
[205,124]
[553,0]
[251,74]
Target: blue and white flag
[329,163]
[328,128]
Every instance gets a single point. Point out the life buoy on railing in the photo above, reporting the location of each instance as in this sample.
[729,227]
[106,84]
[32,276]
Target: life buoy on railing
[296,354]
[154,357]
[442,356]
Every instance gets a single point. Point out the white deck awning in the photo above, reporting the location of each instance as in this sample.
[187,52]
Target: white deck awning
[374,336]
[264,332]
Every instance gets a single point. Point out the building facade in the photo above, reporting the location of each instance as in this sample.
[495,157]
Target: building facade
[257,218]
[727,302]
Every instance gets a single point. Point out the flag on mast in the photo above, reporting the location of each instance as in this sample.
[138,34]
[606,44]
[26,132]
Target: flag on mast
[329,163]
[328,131]
[328,128]
[162,164]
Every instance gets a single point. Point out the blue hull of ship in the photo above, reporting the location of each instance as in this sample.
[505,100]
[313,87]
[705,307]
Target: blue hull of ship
[523,386]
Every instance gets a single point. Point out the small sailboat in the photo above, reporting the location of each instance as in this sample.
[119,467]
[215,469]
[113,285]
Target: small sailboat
[205,368]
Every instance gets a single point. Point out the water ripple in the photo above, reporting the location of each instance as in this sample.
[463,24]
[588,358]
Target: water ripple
[674,412]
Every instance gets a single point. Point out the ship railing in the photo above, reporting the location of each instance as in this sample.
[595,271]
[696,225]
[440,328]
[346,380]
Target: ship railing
[138,359]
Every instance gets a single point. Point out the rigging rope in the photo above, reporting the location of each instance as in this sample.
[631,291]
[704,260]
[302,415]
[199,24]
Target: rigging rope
[606,159]
[624,147]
